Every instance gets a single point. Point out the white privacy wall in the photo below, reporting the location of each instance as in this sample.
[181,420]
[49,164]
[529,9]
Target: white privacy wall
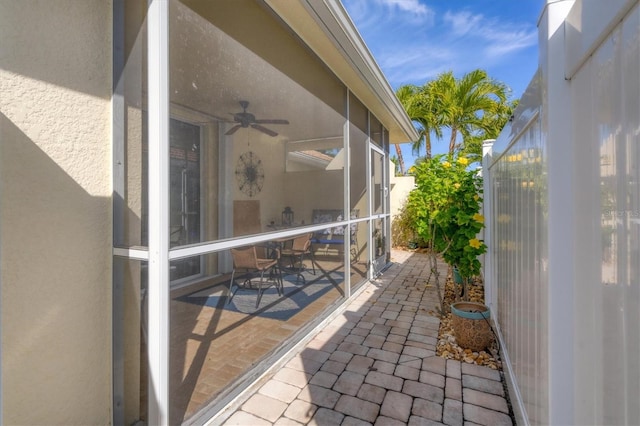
[562,200]
[606,127]
[518,246]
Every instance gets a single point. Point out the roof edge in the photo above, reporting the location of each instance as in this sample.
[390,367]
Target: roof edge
[330,33]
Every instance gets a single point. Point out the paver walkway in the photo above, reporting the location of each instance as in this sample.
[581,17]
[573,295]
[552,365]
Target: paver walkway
[376,364]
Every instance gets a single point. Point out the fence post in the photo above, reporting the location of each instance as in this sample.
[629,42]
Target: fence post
[486,233]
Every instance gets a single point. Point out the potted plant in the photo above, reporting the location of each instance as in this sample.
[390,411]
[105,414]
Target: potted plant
[471,327]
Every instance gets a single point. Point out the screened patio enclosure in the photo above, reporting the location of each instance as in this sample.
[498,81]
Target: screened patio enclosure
[230,132]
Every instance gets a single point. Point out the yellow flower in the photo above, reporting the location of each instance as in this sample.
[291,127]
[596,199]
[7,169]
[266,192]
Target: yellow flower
[478,218]
[475,197]
[475,243]
[456,185]
[446,164]
[463,161]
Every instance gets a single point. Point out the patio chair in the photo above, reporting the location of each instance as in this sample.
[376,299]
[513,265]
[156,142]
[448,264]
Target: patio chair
[296,252]
[246,260]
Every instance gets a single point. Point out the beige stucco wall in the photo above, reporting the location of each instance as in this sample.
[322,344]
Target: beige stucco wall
[55,210]
[401,186]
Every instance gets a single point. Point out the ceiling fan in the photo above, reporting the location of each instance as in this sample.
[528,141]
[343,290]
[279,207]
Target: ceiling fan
[246,119]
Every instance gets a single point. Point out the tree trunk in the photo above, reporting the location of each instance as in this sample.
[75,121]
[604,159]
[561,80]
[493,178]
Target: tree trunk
[427,144]
[400,159]
[452,141]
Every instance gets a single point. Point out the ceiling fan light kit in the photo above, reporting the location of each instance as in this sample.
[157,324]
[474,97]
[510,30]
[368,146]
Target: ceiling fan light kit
[246,119]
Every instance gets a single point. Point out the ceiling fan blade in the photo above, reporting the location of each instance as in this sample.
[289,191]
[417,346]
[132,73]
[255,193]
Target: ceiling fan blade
[264,130]
[233,129]
[272,121]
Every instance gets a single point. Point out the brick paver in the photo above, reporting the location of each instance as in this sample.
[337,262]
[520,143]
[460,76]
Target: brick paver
[320,396]
[324,416]
[452,413]
[280,391]
[397,406]
[265,407]
[358,408]
[360,364]
[453,389]
[482,385]
[324,379]
[349,383]
[300,411]
[293,377]
[487,400]
[427,409]
[435,364]
[376,365]
[484,416]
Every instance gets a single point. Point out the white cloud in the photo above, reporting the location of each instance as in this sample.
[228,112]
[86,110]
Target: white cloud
[411,6]
[463,22]
[409,55]
[415,63]
[504,43]
[413,43]
[372,14]
[497,38]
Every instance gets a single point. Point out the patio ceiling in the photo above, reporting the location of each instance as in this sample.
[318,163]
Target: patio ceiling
[271,87]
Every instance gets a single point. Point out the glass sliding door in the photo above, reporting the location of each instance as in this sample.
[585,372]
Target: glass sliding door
[185,214]
[184,193]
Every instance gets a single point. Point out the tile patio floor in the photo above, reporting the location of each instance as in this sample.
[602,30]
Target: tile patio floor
[376,364]
[203,337]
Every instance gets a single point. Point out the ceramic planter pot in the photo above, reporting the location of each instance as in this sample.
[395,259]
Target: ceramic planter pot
[471,327]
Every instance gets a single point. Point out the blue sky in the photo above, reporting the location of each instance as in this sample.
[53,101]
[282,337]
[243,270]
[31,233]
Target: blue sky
[415,40]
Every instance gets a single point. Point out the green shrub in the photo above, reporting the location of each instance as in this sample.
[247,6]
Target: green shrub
[445,209]
[403,231]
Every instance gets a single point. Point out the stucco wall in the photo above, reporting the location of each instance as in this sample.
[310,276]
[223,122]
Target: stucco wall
[55,211]
[401,186]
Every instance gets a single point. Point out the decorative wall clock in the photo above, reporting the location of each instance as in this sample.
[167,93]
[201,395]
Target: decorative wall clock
[250,173]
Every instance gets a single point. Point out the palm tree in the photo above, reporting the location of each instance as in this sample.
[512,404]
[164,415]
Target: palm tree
[473,145]
[399,159]
[474,106]
[471,105]
[405,96]
[396,166]
[420,105]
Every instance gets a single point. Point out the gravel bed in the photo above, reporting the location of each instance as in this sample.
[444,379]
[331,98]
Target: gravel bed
[447,346]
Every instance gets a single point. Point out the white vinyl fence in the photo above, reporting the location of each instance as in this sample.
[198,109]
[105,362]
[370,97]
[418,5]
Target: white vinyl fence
[562,201]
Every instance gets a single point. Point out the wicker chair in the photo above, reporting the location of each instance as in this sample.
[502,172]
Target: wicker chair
[299,248]
[246,260]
